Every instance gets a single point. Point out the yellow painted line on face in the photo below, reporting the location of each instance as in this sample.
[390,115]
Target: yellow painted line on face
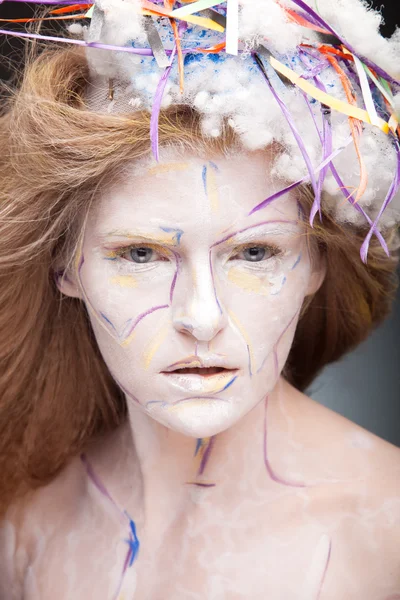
[125,281]
[245,336]
[247,281]
[128,340]
[168,238]
[212,189]
[168,168]
[154,345]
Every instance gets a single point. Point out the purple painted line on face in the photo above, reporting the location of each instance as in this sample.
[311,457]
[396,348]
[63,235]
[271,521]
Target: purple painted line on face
[95,480]
[278,221]
[275,348]
[144,314]
[99,315]
[80,264]
[57,275]
[206,456]
[270,471]
[325,571]
[276,363]
[203,485]
[178,261]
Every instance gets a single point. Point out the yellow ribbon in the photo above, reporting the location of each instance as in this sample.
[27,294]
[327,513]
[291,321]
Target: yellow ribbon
[324,98]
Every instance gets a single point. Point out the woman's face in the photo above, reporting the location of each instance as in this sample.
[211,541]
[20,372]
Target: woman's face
[194,302]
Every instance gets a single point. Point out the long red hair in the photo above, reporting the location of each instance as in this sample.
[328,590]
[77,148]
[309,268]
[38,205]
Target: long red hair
[55,390]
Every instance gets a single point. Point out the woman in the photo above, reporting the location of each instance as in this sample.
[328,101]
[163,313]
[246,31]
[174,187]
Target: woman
[159,321]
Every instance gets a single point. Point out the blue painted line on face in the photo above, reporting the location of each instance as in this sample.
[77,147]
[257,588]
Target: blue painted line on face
[204,178]
[204,174]
[300,212]
[280,289]
[199,443]
[133,541]
[178,233]
[214,166]
[109,258]
[297,262]
[108,321]
[229,383]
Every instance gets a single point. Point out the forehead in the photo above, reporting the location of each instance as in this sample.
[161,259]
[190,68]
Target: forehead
[207,195]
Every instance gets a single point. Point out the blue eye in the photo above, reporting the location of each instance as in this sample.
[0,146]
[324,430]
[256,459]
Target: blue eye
[141,255]
[254,254]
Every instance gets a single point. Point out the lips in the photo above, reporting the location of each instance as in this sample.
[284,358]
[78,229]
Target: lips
[203,371]
[205,362]
[206,375]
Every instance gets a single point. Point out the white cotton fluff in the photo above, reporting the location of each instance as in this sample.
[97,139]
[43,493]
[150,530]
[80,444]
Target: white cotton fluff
[231,91]
[359,25]
[268,22]
[122,22]
[76,30]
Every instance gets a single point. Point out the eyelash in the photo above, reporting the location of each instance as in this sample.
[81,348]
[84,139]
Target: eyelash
[275,250]
[116,253]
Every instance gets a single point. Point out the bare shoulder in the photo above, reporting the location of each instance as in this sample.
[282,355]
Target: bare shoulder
[361,472]
[345,446]
[32,520]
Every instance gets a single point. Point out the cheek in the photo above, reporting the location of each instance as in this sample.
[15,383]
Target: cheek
[264,308]
[119,302]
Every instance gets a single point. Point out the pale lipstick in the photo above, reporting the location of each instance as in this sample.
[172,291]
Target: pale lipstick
[206,375]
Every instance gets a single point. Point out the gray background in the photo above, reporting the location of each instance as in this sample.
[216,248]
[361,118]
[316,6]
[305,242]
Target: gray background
[365,385]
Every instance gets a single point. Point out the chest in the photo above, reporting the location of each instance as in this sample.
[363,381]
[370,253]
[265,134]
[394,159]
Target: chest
[226,561]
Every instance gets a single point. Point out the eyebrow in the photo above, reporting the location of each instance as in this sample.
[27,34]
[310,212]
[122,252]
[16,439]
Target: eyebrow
[168,235]
[278,227]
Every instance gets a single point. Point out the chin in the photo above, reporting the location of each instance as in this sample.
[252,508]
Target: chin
[196,417]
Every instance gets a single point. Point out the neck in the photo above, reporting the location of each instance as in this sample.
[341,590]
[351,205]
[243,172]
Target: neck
[152,470]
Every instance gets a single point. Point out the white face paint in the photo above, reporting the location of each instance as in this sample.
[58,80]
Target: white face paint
[177,277]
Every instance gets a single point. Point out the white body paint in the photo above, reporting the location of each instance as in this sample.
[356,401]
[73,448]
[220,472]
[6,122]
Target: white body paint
[237,320]
[280,498]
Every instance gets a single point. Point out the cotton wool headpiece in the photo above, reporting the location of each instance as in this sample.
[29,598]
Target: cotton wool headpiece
[314,76]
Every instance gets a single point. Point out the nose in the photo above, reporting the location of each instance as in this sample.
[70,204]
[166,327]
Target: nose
[197,310]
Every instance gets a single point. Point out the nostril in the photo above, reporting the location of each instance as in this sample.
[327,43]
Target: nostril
[183,325]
